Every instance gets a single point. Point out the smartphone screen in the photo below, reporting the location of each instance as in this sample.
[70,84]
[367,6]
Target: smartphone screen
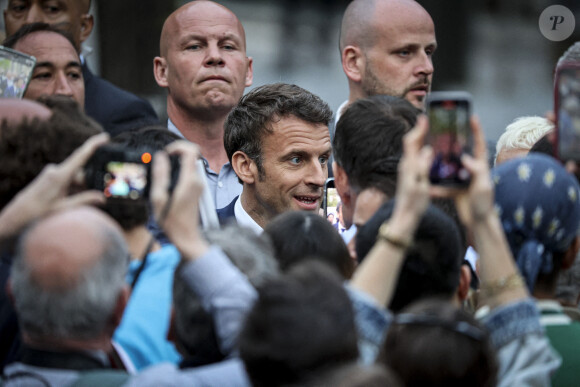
[331,199]
[568,113]
[125,180]
[15,72]
[450,136]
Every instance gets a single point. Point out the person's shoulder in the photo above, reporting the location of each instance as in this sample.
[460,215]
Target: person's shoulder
[114,108]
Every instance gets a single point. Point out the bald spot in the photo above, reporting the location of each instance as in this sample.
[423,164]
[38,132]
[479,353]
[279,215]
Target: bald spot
[362,19]
[188,14]
[60,248]
[13,111]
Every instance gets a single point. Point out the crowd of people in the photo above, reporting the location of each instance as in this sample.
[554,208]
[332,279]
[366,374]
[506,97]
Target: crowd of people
[405,283]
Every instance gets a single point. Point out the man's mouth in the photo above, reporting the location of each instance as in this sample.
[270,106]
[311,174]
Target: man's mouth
[310,203]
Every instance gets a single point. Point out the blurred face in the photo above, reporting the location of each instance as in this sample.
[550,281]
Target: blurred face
[399,61]
[204,63]
[58,68]
[66,14]
[294,169]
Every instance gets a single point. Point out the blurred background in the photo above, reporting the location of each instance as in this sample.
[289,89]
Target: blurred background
[490,48]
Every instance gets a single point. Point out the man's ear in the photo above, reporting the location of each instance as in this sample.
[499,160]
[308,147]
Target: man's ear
[171,335]
[341,183]
[570,254]
[120,305]
[464,282]
[245,167]
[9,292]
[353,63]
[160,71]
[250,72]
[87,24]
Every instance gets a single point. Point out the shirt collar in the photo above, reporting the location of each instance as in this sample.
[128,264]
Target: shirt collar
[244,219]
[172,128]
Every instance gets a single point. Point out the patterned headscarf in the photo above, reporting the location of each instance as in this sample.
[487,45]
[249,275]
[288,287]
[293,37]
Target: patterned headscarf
[539,207]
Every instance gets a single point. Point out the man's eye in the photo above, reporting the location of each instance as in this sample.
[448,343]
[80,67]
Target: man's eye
[42,76]
[193,47]
[17,8]
[74,75]
[295,160]
[323,160]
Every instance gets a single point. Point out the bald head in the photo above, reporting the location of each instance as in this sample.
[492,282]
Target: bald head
[362,18]
[68,279]
[61,247]
[14,111]
[202,12]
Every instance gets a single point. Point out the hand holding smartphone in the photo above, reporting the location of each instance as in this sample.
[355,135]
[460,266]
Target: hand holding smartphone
[450,136]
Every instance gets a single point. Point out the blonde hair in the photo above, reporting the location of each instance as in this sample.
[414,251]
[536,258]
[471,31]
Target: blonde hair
[523,133]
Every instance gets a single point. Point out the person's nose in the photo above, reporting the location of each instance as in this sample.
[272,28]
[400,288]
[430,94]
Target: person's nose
[214,56]
[62,86]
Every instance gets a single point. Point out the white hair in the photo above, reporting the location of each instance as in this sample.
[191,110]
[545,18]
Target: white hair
[523,133]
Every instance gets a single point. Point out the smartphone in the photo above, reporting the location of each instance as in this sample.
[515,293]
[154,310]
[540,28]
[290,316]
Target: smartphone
[330,199]
[15,72]
[450,136]
[567,108]
[119,173]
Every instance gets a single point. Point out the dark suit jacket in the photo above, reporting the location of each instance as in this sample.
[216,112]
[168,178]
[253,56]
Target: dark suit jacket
[115,109]
[226,214]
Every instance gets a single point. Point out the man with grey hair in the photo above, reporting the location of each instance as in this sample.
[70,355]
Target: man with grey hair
[520,136]
[79,299]
[386,47]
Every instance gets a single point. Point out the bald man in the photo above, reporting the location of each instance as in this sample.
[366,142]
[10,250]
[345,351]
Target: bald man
[204,67]
[386,47]
[115,109]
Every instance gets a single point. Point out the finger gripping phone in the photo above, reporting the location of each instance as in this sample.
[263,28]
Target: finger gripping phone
[450,137]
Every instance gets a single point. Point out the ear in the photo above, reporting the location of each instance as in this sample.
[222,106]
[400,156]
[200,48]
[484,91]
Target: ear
[9,292]
[245,168]
[250,72]
[341,184]
[570,254]
[120,305]
[353,63]
[171,336]
[87,24]
[160,71]
[464,282]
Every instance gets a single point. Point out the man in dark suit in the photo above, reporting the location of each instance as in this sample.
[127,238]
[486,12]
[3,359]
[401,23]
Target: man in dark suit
[115,109]
[278,143]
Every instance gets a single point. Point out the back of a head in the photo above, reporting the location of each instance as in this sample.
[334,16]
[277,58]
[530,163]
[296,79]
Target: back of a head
[432,263]
[248,123]
[522,134]
[193,325]
[27,147]
[539,207]
[433,343]
[355,375]
[76,303]
[299,235]
[368,141]
[302,323]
